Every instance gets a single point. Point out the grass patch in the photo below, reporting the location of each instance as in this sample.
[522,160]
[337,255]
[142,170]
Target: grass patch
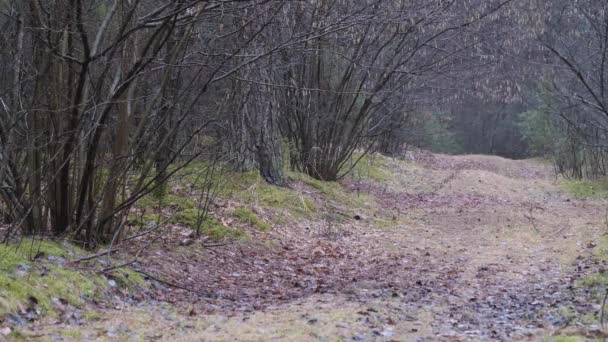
[372,166]
[565,338]
[249,217]
[332,190]
[209,226]
[588,188]
[72,333]
[168,200]
[128,279]
[92,315]
[137,219]
[23,253]
[595,283]
[249,187]
[217,231]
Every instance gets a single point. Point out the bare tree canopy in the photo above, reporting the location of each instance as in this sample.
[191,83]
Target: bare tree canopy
[103,101]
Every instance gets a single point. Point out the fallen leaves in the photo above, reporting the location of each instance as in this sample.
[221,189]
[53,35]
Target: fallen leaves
[446,258]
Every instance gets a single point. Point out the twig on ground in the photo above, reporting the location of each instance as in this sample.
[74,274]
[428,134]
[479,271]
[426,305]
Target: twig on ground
[146,232]
[530,217]
[531,220]
[106,270]
[603,309]
[200,293]
[558,231]
[100,254]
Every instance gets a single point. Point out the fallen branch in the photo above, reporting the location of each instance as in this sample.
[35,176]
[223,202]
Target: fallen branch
[106,270]
[603,309]
[100,254]
[203,294]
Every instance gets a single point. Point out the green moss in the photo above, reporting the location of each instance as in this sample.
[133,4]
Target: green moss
[590,318]
[596,188]
[92,316]
[17,335]
[135,219]
[210,226]
[128,279]
[335,194]
[217,231]
[72,333]
[134,278]
[27,274]
[70,285]
[593,280]
[372,166]
[252,219]
[597,280]
[11,256]
[327,188]
[13,292]
[567,312]
[249,187]
[187,217]
[169,200]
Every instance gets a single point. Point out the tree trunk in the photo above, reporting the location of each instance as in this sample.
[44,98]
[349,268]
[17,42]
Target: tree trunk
[269,147]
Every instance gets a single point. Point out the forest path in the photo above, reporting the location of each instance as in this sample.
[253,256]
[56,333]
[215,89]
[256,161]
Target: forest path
[483,249]
[478,248]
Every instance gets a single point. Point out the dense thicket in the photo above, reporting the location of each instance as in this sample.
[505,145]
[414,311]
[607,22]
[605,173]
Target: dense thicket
[566,50]
[103,101]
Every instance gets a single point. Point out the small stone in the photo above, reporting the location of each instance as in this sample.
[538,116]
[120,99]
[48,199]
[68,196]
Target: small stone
[186,242]
[388,332]
[6,331]
[58,304]
[112,283]
[111,332]
[189,234]
[15,320]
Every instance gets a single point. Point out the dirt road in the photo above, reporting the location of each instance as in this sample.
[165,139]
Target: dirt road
[471,248]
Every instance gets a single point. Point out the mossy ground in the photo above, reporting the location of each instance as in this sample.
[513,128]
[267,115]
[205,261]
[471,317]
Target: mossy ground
[588,188]
[33,270]
[249,217]
[372,166]
[179,204]
[35,274]
[177,207]
[250,188]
